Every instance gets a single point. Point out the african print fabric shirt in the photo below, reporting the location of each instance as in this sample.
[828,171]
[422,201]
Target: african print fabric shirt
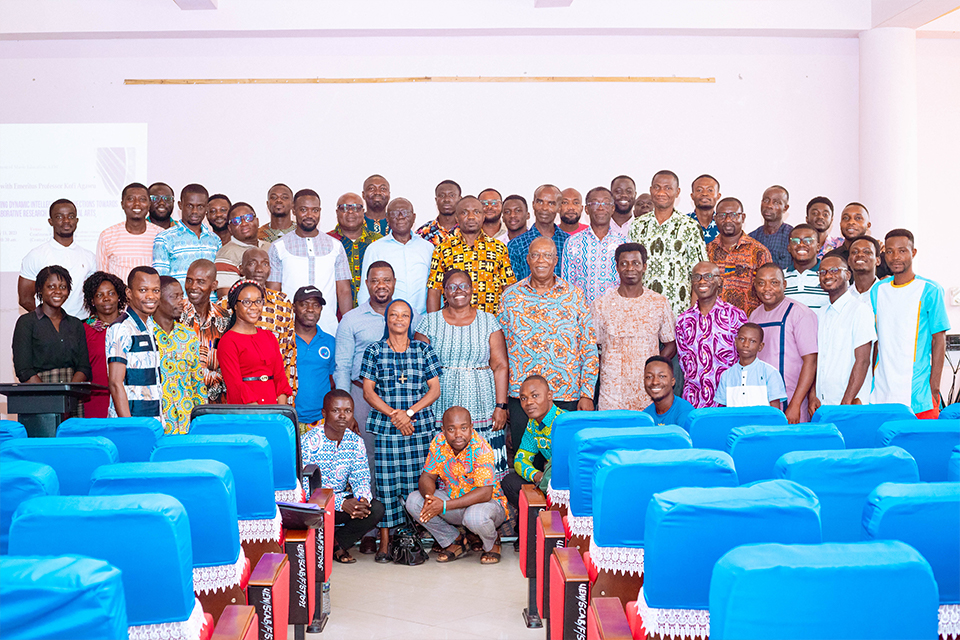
[266,233]
[130,341]
[463,472]
[343,466]
[536,439]
[672,249]
[710,232]
[486,261]
[355,250]
[519,247]
[433,233]
[379,227]
[183,387]
[777,243]
[829,245]
[550,334]
[208,334]
[705,346]
[589,262]
[738,266]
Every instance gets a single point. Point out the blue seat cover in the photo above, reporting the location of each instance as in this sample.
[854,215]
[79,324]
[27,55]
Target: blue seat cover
[276,428]
[928,441]
[21,480]
[859,422]
[10,429]
[953,466]
[756,448]
[566,426]
[843,480]
[590,444]
[135,437]
[204,488]
[626,480]
[710,426]
[74,459]
[63,597]
[248,457]
[146,536]
[951,412]
[689,529]
[857,591]
[927,517]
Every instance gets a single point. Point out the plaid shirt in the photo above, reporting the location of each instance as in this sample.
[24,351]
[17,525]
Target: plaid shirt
[777,243]
[176,248]
[520,246]
[355,250]
[486,261]
[466,471]
[209,333]
[401,381]
[434,233]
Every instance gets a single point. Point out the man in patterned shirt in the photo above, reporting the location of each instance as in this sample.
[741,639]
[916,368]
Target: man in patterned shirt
[183,387]
[705,192]
[279,204]
[436,231]
[376,194]
[471,496]
[473,251]
[546,205]
[588,258]
[774,234]
[673,241]
[208,321]
[340,455]
[353,234]
[738,256]
[188,240]
[820,217]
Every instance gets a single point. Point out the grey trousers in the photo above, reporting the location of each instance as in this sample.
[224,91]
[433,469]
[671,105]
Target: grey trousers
[483,519]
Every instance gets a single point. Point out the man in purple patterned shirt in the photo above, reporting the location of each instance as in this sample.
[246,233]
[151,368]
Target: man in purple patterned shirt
[705,336]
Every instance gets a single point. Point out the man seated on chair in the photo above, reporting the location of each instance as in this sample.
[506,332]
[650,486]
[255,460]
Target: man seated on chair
[342,458]
[658,382]
[471,496]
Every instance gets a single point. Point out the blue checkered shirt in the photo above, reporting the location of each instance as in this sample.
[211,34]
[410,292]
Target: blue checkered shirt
[176,248]
[519,246]
[777,243]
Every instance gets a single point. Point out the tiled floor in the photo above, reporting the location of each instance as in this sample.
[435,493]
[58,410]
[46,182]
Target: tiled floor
[460,600]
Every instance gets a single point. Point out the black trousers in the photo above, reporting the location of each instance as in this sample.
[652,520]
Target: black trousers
[517,422]
[353,528]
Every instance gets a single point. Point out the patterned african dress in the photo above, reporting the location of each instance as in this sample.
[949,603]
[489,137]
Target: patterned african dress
[467,379]
[183,387]
[400,381]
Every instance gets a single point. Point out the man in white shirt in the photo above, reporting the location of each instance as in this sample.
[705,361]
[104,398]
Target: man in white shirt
[864,261]
[80,263]
[845,335]
[407,253]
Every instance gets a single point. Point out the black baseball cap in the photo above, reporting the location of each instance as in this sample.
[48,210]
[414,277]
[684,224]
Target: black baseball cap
[307,292]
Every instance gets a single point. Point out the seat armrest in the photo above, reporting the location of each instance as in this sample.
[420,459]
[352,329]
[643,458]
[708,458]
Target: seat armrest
[269,593]
[237,622]
[607,621]
[532,502]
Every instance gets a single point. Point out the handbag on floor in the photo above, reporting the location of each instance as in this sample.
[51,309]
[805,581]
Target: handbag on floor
[406,547]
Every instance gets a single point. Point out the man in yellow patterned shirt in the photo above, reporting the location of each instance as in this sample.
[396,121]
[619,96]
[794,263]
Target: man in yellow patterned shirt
[183,387]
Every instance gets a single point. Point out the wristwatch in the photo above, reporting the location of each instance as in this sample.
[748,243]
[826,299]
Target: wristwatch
[409,413]
[502,405]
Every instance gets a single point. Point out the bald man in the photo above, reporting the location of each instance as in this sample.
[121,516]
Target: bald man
[353,233]
[571,209]
[208,321]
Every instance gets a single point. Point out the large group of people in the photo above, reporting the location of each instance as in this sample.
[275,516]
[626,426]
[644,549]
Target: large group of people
[428,363]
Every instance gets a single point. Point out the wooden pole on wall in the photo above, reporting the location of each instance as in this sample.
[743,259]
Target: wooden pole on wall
[136,81]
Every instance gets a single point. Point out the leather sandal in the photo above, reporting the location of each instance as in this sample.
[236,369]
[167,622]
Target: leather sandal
[453,552]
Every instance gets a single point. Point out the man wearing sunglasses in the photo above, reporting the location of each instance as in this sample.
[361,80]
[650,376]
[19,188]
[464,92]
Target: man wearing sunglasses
[242,223]
[353,233]
[161,204]
[803,276]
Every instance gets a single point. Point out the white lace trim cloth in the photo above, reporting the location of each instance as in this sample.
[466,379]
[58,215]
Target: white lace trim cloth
[557,496]
[260,530]
[673,623]
[188,629]
[624,560]
[949,615]
[580,525]
[220,577]
[290,495]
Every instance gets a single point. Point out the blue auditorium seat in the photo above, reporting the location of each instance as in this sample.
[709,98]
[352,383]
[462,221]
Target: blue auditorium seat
[279,431]
[881,590]
[951,412]
[710,427]
[588,447]
[859,422]
[842,481]
[21,480]
[74,459]
[10,429]
[145,536]
[135,437]
[928,441]
[62,597]
[755,449]
[953,465]
[566,426]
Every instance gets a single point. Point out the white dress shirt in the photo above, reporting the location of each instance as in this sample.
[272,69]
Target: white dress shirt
[411,266]
[842,326]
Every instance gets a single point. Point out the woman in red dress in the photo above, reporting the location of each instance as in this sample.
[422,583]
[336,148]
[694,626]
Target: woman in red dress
[105,297]
[250,360]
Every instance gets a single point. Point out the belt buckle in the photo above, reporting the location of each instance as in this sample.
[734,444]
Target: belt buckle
[264,378]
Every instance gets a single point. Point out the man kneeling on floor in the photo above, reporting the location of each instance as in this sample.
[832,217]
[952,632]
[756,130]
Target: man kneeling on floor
[342,458]
[465,463]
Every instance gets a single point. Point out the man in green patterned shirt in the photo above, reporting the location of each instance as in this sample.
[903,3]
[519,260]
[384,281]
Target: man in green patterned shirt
[674,243]
[353,234]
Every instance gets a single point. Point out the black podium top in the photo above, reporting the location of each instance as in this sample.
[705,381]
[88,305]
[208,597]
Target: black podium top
[80,390]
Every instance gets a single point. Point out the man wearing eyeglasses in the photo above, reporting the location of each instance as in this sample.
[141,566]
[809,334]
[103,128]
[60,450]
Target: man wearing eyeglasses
[376,195]
[61,250]
[242,223]
[803,277]
[706,336]
[353,233]
[738,256]
[161,204]
[588,258]
[187,241]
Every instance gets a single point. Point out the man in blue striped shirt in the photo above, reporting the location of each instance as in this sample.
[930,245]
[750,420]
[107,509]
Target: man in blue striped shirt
[176,248]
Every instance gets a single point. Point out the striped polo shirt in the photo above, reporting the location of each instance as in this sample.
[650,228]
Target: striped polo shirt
[804,287]
[119,251]
[130,341]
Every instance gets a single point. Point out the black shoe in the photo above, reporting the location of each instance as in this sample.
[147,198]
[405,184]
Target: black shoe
[516,545]
[382,558]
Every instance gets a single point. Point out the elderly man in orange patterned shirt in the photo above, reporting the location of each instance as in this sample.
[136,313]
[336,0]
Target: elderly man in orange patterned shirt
[472,496]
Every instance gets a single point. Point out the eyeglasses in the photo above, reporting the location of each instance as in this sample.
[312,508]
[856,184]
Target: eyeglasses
[598,204]
[489,203]
[350,208]
[807,241]
[251,303]
[401,213]
[64,216]
[725,216]
[247,217]
[833,270]
[458,286]
[543,256]
[167,199]
[706,277]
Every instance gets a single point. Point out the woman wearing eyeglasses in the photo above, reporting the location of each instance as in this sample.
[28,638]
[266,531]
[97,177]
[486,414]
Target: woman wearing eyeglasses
[242,223]
[249,357]
[473,353]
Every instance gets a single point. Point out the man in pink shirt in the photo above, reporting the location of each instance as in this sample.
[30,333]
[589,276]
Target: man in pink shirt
[128,244]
